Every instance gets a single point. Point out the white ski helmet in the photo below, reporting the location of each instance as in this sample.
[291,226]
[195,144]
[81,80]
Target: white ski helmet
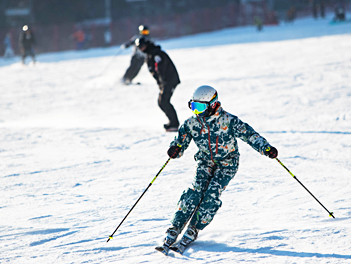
[204,101]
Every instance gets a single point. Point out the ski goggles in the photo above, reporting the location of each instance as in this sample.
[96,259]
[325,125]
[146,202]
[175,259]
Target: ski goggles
[145,32]
[198,107]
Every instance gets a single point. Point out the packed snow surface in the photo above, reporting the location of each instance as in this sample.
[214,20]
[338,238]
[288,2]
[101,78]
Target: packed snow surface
[78,148]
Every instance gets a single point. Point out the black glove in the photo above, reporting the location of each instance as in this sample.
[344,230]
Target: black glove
[174,151]
[271,152]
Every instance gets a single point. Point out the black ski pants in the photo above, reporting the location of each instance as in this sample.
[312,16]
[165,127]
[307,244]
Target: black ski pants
[135,65]
[28,52]
[164,102]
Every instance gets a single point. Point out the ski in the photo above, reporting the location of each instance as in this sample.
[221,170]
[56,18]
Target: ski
[172,234]
[163,249]
[179,248]
[132,83]
[189,237]
[172,129]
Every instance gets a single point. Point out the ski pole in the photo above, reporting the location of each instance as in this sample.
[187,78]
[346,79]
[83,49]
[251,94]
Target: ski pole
[111,236]
[330,213]
[108,65]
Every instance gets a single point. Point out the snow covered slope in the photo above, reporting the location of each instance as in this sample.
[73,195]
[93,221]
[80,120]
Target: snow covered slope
[77,149]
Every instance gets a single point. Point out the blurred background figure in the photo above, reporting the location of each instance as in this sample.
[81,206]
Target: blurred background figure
[107,37]
[258,23]
[8,46]
[26,43]
[138,57]
[165,73]
[291,14]
[79,37]
[88,40]
[339,13]
[318,7]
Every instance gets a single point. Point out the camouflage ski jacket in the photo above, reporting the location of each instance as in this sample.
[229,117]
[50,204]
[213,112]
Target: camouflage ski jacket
[215,136]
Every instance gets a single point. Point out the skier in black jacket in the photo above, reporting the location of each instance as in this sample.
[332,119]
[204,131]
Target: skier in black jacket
[26,43]
[138,57]
[165,73]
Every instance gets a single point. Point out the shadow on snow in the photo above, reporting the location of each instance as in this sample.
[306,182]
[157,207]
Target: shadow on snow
[218,247]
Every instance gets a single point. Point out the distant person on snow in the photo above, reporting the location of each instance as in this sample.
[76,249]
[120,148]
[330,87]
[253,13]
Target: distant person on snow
[165,73]
[8,46]
[26,43]
[291,14]
[258,23]
[339,13]
[80,38]
[318,5]
[138,57]
[214,132]
[107,37]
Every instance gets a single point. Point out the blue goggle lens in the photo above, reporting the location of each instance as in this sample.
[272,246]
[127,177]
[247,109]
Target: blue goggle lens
[198,107]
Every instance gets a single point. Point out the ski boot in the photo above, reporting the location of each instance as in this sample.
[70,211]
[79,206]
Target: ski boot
[171,128]
[172,234]
[126,81]
[189,236]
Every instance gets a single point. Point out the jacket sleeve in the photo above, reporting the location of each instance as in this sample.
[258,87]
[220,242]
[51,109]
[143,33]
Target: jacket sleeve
[159,65]
[162,62]
[183,139]
[152,67]
[130,42]
[247,134]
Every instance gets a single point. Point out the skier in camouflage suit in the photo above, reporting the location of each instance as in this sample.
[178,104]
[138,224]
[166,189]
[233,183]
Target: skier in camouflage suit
[214,132]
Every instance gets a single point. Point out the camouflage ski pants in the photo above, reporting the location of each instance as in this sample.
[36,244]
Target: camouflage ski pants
[210,181]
